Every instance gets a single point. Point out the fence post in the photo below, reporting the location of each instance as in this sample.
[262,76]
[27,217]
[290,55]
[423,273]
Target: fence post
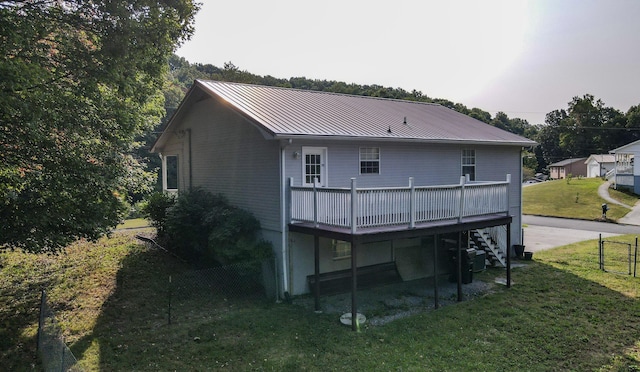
[62,369]
[169,309]
[43,300]
[600,253]
[412,204]
[635,259]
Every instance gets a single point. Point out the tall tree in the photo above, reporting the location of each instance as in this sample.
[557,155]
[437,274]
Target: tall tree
[80,81]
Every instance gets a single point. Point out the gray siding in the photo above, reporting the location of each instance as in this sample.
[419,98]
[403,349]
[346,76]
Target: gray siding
[231,157]
[429,164]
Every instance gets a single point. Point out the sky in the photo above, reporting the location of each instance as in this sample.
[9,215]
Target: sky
[524,58]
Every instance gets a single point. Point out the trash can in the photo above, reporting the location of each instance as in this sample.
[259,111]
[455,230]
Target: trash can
[468,259]
[479,262]
[518,250]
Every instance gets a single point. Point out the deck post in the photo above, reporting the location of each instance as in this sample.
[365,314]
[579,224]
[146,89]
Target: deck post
[412,204]
[509,255]
[459,268]
[508,186]
[316,271]
[288,201]
[462,183]
[354,207]
[315,202]
[354,286]
[435,272]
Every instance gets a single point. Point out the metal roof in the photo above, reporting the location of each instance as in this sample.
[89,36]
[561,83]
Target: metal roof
[602,158]
[288,113]
[562,163]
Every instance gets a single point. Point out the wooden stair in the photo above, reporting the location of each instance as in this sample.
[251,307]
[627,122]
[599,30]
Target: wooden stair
[481,240]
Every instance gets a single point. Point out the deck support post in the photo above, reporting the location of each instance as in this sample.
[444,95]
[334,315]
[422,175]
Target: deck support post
[435,272]
[509,255]
[354,286]
[316,271]
[459,266]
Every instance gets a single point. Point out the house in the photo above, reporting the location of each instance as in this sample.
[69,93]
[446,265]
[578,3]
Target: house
[599,165]
[625,175]
[343,183]
[562,169]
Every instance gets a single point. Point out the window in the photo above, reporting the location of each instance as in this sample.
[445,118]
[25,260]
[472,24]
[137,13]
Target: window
[171,172]
[340,249]
[369,160]
[469,163]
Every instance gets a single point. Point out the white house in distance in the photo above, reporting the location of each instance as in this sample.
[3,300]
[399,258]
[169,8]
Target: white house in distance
[599,165]
[625,174]
[349,184]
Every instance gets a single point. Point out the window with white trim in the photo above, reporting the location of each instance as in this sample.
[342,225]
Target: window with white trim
[369,160]
[340,249]
[312,164]
[469,163]
[171,172]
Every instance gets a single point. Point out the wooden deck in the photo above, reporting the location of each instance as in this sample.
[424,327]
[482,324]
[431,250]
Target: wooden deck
[373,210]
[379,233]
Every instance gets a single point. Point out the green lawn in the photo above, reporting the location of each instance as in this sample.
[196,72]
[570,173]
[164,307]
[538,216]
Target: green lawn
[577,198]
[562,313]
[134,223]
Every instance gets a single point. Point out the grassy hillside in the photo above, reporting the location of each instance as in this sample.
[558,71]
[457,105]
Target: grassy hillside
[577,198]
[561,314]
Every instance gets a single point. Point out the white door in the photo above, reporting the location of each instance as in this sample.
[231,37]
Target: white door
[594,170]
[314,166]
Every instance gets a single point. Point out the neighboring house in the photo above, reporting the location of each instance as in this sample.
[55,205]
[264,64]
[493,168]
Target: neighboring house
[599,165]
[625,175]
[343,182]
[562,169]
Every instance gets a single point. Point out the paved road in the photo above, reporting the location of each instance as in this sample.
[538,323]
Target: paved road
[548,232]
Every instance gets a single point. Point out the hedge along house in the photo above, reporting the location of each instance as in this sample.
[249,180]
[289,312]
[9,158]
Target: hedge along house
[343,183]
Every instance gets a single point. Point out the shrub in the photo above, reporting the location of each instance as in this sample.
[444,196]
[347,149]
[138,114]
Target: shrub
[156,209]
[205,228]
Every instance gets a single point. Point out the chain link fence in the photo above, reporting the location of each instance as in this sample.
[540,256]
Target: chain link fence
[53,351]
[618,257]
[200,294]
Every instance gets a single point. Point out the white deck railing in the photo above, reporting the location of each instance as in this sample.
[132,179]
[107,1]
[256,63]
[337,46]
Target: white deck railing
[386,206]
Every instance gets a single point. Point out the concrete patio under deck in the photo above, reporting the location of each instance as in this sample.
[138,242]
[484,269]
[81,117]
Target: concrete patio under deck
[373,234]
[386,303]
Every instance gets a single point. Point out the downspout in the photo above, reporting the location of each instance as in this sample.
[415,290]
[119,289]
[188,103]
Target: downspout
[190,167]
[522,150]
[283,218]
[615,171]
[163,170]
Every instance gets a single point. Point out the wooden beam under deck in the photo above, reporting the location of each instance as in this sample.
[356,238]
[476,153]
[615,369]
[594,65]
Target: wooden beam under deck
[377,234]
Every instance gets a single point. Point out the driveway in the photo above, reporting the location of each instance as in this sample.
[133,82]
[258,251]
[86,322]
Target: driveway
[548,232]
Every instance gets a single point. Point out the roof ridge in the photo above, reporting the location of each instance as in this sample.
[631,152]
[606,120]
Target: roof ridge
[323,91]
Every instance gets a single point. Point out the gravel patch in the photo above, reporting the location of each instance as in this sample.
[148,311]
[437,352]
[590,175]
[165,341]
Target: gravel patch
[387,303]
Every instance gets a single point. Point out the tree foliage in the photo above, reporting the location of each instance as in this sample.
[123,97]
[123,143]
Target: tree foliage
[81,80]
[586,127]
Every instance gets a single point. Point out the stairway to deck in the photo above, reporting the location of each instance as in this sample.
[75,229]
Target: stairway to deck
[482,240]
